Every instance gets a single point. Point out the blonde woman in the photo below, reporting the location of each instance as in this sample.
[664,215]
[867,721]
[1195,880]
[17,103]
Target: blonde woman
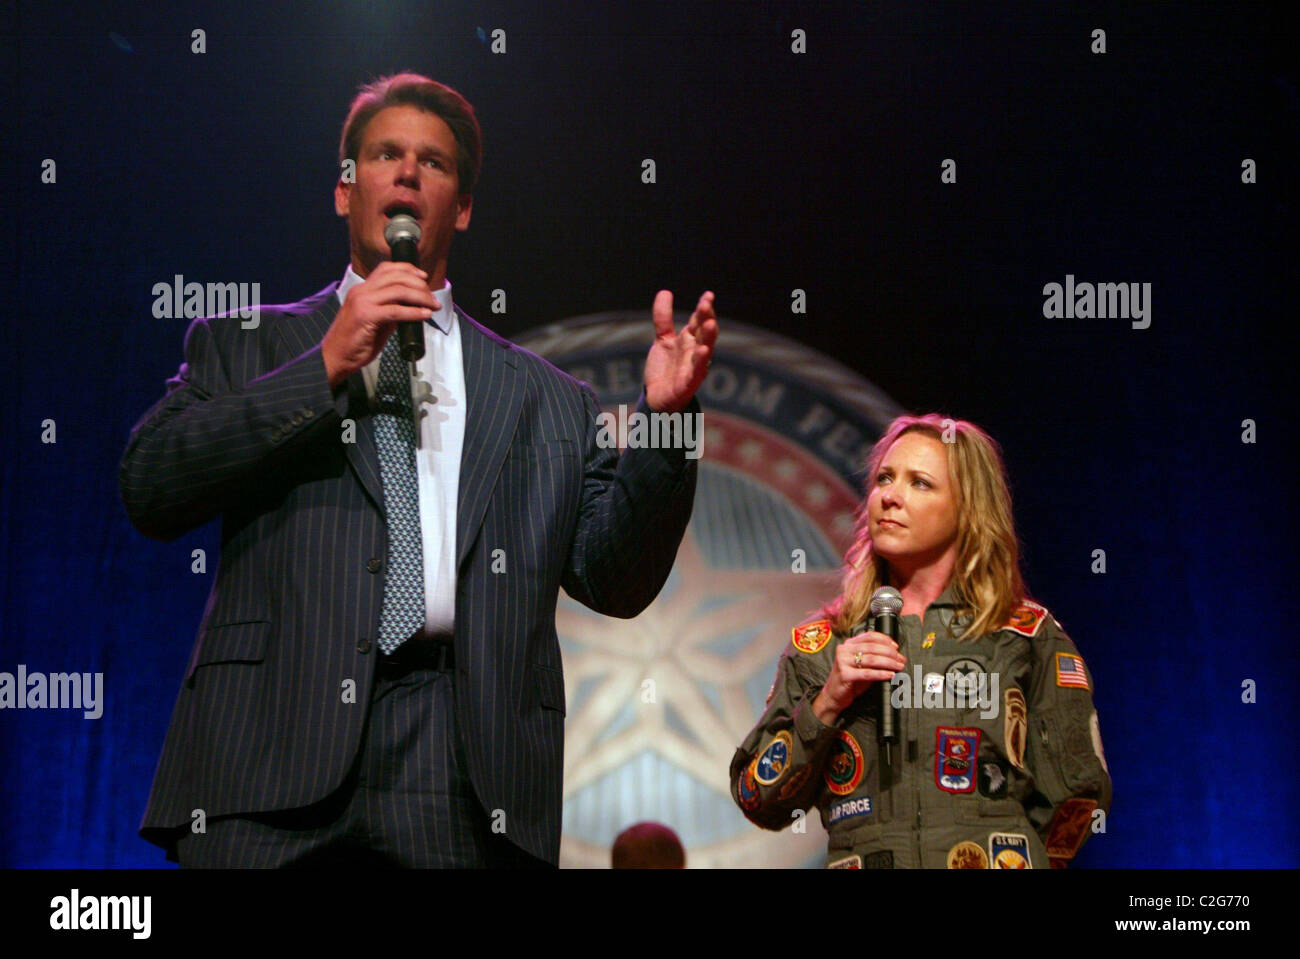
[998,761]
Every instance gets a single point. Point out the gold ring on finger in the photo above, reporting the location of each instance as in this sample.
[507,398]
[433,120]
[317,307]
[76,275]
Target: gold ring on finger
[857,659]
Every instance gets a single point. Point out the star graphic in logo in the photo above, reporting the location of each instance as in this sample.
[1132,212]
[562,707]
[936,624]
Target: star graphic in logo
[683,665]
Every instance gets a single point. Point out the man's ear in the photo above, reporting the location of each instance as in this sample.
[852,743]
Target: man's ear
[466,204]
[342,193]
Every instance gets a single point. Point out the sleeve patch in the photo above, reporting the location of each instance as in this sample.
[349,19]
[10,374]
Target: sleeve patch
[1070,671]
[747,788]
[811,637]
[1069,828]
[775,759]
[1027,618]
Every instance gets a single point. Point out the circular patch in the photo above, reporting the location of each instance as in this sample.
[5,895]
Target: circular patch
[967,855]
[963,677]
[844,766]
[747,788]
[775,759]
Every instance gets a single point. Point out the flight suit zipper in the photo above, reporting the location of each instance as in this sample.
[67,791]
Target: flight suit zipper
[909,737]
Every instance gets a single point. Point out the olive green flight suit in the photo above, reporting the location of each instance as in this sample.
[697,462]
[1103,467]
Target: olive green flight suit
[1019,788]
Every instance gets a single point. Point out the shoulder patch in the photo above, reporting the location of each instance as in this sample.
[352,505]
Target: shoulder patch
[1070,671]
[811,637]
[1027,618]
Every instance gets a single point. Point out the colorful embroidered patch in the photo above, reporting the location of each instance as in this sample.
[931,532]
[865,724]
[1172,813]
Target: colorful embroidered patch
[1070,671]
[954,761]
[967,855]
[928,642]
[1069,828]
[934,684]
[852,862]
[993,780]
[844,766]
[811,637]
[1094,727]
[1009,850]
[795,783]
[850,809]
[1027,618]
[775,759]
[747,788]
[1014,724]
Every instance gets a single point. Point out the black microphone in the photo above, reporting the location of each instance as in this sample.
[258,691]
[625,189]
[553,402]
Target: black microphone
[403,236]
[886,605]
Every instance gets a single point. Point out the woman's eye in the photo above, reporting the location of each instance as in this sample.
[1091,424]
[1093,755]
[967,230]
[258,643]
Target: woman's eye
[921,482]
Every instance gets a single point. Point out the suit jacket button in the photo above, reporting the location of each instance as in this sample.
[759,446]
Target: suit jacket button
[306,412]
[374,565]
[276,435]
[297,419]
[363,646]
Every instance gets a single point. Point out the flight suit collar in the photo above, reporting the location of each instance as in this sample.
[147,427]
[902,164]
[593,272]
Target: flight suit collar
[948,597]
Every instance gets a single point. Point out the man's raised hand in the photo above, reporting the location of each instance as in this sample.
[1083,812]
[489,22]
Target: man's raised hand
[679,359]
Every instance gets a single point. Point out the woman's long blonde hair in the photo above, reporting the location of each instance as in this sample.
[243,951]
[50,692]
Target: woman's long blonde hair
[986,577]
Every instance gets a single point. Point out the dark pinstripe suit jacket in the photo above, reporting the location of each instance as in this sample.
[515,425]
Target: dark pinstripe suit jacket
[250,431]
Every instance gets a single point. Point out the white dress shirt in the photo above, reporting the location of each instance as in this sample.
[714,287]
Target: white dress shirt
[438,404]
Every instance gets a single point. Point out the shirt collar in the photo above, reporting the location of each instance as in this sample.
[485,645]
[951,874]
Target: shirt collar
[443,319]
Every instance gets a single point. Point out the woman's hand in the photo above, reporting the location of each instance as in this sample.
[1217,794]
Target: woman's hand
[860,662]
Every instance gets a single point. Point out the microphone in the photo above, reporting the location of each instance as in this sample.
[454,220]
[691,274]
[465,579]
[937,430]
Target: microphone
[886,605]
[403,236]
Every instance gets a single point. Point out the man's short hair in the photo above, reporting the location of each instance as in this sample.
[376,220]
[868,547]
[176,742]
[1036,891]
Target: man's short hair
[648,845]
[411,89]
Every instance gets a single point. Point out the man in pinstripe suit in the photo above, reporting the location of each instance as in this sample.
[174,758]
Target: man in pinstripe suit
[296,740]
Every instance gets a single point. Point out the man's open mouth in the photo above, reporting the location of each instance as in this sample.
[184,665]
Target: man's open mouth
[397,209]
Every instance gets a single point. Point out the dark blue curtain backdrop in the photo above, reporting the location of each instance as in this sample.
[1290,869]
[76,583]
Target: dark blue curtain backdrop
[776,171]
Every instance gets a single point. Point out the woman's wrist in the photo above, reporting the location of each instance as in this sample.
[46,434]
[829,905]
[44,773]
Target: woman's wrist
[825,712]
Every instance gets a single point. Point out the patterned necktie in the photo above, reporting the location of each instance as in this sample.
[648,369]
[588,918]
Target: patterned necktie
[403,611]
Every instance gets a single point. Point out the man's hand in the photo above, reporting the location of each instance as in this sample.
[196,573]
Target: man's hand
[393,293]
[678,361]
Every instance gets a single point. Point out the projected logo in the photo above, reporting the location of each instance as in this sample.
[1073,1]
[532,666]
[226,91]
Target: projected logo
[658,704]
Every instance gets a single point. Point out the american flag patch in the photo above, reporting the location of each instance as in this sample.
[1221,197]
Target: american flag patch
[1069,671]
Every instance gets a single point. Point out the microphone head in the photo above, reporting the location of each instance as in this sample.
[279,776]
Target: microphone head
[402,227]
[886,600]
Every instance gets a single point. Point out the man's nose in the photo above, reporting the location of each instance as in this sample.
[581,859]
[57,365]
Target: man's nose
[408,170]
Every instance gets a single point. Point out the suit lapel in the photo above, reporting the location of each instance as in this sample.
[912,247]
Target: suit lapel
[494,397]
[314,316]
[494,391]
